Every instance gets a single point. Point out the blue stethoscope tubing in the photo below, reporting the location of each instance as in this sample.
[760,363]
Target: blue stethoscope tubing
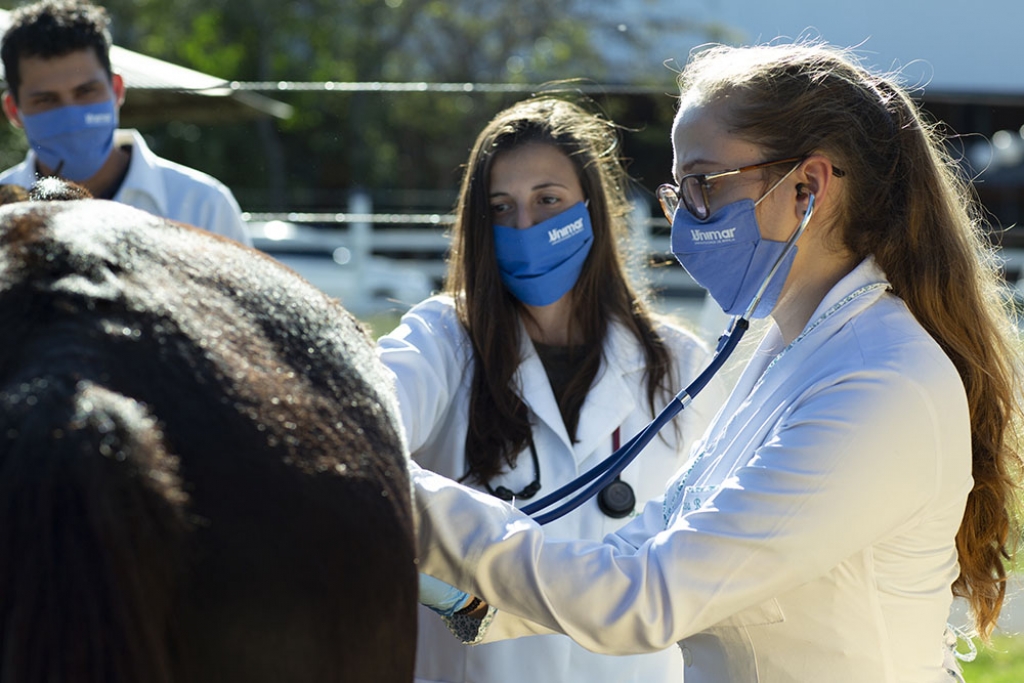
[604,472]
[608,469]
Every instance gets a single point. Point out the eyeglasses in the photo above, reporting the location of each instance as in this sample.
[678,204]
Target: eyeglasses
[693,189]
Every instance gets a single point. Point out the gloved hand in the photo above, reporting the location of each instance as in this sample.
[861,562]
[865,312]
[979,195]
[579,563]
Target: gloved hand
[439,596]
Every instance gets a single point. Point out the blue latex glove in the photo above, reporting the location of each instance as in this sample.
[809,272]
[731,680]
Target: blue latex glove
[439,596]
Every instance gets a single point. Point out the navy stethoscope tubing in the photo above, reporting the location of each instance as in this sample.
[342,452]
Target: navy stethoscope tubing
[608,469]
[604,472]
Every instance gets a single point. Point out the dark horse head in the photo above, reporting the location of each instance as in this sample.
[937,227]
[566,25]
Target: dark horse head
[201,477]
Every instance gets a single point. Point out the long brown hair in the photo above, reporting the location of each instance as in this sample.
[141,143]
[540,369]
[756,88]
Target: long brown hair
[499,427]
[908,206]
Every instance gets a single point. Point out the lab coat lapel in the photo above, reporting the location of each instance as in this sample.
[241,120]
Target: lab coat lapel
[535,388]
[858,290]
[750,409]
[612,397]
[609,401]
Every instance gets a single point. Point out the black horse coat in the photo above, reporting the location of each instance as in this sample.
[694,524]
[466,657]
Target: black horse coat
[201,473]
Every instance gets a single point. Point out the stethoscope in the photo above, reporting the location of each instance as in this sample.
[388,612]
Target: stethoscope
[615,500]
[608,470]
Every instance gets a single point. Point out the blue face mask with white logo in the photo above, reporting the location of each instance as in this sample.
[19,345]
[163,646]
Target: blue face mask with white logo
[74,141]
[540,264]
[727,256]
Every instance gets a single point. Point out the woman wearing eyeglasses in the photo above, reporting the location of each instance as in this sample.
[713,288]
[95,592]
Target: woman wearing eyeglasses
[863,470]
[538,360]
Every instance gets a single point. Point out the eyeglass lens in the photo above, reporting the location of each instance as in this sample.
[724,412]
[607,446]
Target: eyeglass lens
[692,197]
[669,200]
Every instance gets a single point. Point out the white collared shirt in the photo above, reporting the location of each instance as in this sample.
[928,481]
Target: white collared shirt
[162,188]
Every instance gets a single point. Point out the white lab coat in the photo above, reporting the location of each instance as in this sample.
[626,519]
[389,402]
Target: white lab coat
[811,537]
[430,355]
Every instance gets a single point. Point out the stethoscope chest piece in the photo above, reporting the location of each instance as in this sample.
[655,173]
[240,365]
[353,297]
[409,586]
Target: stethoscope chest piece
[617,499]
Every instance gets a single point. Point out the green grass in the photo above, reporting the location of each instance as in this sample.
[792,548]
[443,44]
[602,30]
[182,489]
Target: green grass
[1000,662]
[382,323]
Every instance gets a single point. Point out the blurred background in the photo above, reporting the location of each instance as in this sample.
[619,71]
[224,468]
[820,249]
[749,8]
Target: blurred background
[341,125]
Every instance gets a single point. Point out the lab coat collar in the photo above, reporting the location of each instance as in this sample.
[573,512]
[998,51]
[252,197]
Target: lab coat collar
[772,365]
[608,403]
[867,272]
[854,291]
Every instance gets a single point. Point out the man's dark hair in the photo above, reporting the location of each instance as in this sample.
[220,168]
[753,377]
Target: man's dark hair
[54,28]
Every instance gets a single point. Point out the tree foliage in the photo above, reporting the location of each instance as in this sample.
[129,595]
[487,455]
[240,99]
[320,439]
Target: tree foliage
[413,141]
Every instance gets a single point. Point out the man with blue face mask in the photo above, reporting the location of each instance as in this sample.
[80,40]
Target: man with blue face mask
[63,93]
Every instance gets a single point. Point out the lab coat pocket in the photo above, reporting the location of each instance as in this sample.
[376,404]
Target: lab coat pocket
[726,651]
[768,612]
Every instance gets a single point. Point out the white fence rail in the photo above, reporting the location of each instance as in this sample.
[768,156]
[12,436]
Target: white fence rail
[425,247]
[420,241]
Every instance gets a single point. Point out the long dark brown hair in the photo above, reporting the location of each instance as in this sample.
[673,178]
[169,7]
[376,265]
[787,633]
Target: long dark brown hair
[908,206]
[499,426]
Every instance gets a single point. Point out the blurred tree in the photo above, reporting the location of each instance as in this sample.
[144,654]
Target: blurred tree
[383,141]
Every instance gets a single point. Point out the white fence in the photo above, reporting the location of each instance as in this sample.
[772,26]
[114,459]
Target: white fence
[420,241]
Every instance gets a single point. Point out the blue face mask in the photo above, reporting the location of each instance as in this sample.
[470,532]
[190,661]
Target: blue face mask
[727,256]
[74,141]
[540,264]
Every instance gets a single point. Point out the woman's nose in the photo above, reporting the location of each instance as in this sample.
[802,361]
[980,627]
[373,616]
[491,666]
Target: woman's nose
[524,217]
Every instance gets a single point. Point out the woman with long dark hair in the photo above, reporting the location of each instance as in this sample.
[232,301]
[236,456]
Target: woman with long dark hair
[539,359]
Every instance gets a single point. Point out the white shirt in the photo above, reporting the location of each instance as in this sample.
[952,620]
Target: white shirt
[162,188]
[810,538]
[430,355]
